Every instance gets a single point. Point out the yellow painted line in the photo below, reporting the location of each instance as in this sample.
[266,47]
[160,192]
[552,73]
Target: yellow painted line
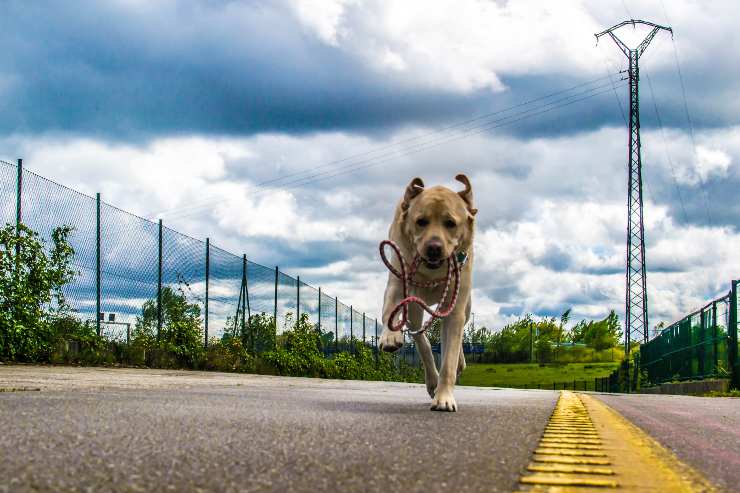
[589,447]
[570,452]
[578,446]
[559,459]
[563,434]
[570,468]
[592,441]
[564,480]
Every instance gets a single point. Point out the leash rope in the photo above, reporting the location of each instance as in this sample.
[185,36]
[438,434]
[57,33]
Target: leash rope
[406,275]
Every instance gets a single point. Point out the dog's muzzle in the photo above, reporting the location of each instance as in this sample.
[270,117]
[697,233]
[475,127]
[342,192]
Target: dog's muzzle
[433,265]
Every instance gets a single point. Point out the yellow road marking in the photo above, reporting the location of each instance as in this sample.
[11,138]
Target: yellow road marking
[588,447]
[559,459]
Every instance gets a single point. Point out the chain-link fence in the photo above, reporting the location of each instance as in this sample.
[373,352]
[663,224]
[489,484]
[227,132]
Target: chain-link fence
[125,262]
[703,344]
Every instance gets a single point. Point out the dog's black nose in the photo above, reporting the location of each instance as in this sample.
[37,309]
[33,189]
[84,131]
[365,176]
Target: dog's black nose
[434,250]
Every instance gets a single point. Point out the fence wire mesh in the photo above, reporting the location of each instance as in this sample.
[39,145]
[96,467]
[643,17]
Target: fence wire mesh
[694,347]
[220,283]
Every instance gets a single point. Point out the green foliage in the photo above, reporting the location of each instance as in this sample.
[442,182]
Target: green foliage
[180,341]
[78,342]
[31,298]
[532,375]
[547,340]
[601,334]
[228,354]
[301,354]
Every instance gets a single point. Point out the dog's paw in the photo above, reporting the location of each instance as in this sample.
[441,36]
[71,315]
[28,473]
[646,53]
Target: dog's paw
[444,401]
[391,341]
[431,381]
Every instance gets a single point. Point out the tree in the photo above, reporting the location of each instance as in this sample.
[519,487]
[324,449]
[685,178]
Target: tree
[31,297]
[181,332]
[599,334]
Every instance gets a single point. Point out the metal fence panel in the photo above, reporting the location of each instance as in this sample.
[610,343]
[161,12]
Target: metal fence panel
[8,174]
[47,205]
[130,262]
[693,347]
[224,286]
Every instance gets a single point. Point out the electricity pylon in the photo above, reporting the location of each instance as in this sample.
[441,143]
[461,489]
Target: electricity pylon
[636,313]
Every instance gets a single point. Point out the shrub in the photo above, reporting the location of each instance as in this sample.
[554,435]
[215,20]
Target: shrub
[31,298]
[228,354]
[180,340]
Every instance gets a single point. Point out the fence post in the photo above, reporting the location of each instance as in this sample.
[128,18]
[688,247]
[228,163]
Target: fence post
[18,203]
[376,340]
[714,338]
[336,324]
[245,303]
[208,278]
[351,329]
[732,333]
[702,342]
[531,343]
[274,313]
[97,263]
[363,328]
[159,284]
[297,301]
[319,305]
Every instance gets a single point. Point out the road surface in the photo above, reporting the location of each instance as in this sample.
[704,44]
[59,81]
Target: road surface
[144,430]
[94,429]
[704,432]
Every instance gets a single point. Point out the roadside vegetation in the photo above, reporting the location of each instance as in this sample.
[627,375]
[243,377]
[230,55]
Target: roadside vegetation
[38,326]
[536,375]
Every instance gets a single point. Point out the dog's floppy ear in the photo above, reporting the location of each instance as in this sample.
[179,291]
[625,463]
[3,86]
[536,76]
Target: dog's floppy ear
[467,194]
[412,190]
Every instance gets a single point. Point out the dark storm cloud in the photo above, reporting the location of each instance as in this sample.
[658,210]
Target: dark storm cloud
[201,68]
[125,72]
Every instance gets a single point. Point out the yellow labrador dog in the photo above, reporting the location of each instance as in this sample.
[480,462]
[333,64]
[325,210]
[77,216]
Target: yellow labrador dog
[434,223]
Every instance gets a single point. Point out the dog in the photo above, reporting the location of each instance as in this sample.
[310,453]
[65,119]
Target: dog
[434,223]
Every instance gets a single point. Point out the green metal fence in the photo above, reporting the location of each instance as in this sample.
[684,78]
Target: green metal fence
[124,260]
[703,344]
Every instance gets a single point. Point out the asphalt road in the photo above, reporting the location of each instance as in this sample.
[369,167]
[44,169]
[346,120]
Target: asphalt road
[144,430]
[704,432]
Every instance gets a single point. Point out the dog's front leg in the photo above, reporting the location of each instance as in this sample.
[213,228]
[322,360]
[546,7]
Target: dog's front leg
[424,348]
[452,333]
[391,340]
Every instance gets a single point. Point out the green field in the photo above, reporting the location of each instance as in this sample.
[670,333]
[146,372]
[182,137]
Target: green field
[534,375]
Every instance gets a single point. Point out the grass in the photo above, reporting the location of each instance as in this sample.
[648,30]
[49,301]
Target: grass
[532,375]
[729,393]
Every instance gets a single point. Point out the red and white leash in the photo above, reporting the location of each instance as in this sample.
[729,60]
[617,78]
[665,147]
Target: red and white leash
[406,275]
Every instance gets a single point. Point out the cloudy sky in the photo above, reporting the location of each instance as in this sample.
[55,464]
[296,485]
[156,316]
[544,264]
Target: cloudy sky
[287,130]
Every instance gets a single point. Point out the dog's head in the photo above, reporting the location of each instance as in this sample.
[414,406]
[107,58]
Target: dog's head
[437,220]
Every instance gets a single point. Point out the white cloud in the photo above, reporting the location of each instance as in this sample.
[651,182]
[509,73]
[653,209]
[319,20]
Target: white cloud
[473,44]
[551,221]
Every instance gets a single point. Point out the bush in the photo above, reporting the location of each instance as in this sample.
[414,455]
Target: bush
[179,343]
[301,354]
[228,354]
[31,298]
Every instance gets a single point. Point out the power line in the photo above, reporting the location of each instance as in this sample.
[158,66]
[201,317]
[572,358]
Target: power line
[389,148]
[705,197]
[478,130]
[419,147]
[665,145]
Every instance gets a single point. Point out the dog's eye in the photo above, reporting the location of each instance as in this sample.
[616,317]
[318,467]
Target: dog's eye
[422,223]
[449,224]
